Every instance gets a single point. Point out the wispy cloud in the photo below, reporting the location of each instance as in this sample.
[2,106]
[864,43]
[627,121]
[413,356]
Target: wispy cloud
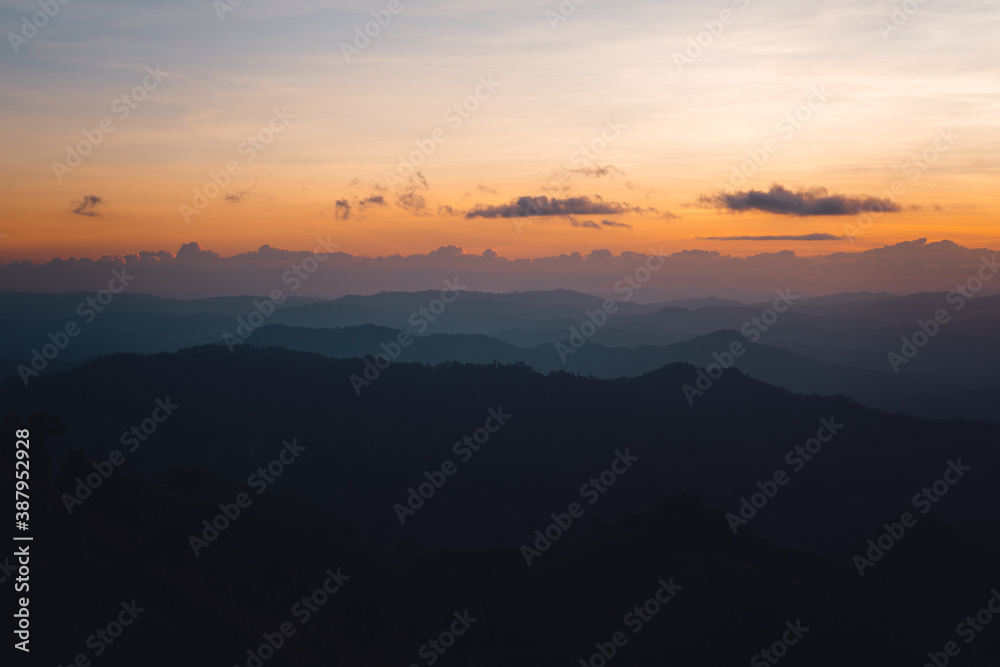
[781,237]
[542,206]
[87,205]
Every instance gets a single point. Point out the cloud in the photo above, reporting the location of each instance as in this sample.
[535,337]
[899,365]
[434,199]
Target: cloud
[486,189]
[342,209]
[412,201]
[532,207]
[788,237]
[193,252]
[612,223]
[597,171]
[373,200]
[192,272]
[814,201]
[87,205]
[446,210]
[241,195]
[588,224]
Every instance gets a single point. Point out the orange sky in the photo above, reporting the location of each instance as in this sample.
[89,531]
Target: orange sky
[493,105]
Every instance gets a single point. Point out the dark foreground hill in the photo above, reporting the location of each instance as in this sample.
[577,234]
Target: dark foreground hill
[731,597]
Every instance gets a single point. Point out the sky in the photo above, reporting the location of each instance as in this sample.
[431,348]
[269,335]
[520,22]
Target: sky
[527,128]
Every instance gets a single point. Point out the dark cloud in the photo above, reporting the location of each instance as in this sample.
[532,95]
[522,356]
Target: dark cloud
[87,205]
[587,224]
[531,207]
[193,252]
[373,200]
[237,197]
[814,201]
[342,209]
[613,223]
[192,272]
[796,237]
[412,201]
